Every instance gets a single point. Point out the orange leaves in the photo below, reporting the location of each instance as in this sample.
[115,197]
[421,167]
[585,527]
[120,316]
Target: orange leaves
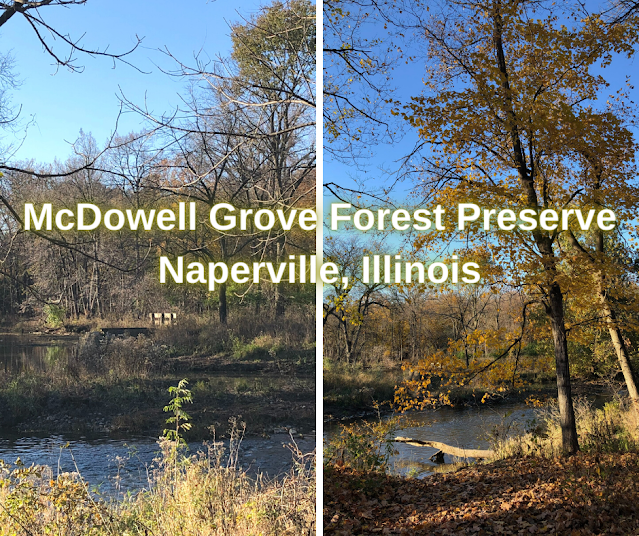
[535,402]
[496,127]
[478,361]
[514,496]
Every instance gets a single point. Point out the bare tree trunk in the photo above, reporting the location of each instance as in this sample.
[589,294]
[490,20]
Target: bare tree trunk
[620,348]
[610,317]
[348,346]
[279,298]
[448,449]
[222,308]
[555,310]
[615,332]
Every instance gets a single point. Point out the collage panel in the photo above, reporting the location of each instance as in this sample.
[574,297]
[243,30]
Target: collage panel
[480,217]
[158,171]
[172,225]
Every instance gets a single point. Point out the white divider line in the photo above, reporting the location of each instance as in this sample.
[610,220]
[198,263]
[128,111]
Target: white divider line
[319,196]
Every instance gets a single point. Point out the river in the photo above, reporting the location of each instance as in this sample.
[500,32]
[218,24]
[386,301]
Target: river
[115,467]
[111,466]
[459,427]
[463,427]
[34,351]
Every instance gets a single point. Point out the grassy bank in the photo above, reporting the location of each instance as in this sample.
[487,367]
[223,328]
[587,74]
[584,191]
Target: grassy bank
[263,371]
[613,428]
[199,495]
[349,389]
[35,403]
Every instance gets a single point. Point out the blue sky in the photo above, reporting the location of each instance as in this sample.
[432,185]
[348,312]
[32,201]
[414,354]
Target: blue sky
[64,102]
[407,81]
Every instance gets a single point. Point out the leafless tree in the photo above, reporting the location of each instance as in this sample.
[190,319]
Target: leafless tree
[31,12]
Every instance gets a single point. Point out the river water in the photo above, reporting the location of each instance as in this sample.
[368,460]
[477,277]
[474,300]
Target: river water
[108,465]
[460,427]
[465,427]
[117,466]
[114,467]
[33,352]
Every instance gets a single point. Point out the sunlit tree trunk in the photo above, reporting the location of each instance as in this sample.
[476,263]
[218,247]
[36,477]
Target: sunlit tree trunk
[555,311]
[615,331]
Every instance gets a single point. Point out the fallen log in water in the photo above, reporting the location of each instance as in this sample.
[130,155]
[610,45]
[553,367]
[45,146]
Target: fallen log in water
[453,451]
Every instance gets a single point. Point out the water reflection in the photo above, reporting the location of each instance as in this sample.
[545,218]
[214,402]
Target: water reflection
[39,353]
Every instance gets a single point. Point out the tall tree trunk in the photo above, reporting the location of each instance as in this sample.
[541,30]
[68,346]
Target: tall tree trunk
[620,350]
[348,342]
[613,329]
[554,307]
[279,298]
[222,308]
[555,310]
[610,316]
[279,303]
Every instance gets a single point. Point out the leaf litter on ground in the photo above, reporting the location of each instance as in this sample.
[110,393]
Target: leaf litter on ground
[586,494]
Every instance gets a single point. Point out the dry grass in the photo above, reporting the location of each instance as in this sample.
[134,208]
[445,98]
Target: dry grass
[200,495]
[614,428]
[353,387]
[296,329]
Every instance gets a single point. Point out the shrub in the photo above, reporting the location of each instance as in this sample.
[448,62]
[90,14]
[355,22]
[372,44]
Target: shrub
[54,315]
[180,395]
[272,345]
[119,358]
[32,498]
[612,428]
[366,445]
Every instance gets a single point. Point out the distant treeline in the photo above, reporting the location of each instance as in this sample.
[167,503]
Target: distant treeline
[244,136]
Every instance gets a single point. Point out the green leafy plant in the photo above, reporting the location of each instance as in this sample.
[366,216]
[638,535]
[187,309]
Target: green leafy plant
[31,496]
[54,314]
[365,446]
[244,350]
[180,395]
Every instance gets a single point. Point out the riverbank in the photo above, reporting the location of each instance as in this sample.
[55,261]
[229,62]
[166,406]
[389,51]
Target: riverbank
[582,495]
[99,383]
[355,392]
[271,395]
[528,487]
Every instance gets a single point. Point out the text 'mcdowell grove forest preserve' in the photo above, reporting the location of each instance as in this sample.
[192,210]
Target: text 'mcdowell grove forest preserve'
[225,217]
